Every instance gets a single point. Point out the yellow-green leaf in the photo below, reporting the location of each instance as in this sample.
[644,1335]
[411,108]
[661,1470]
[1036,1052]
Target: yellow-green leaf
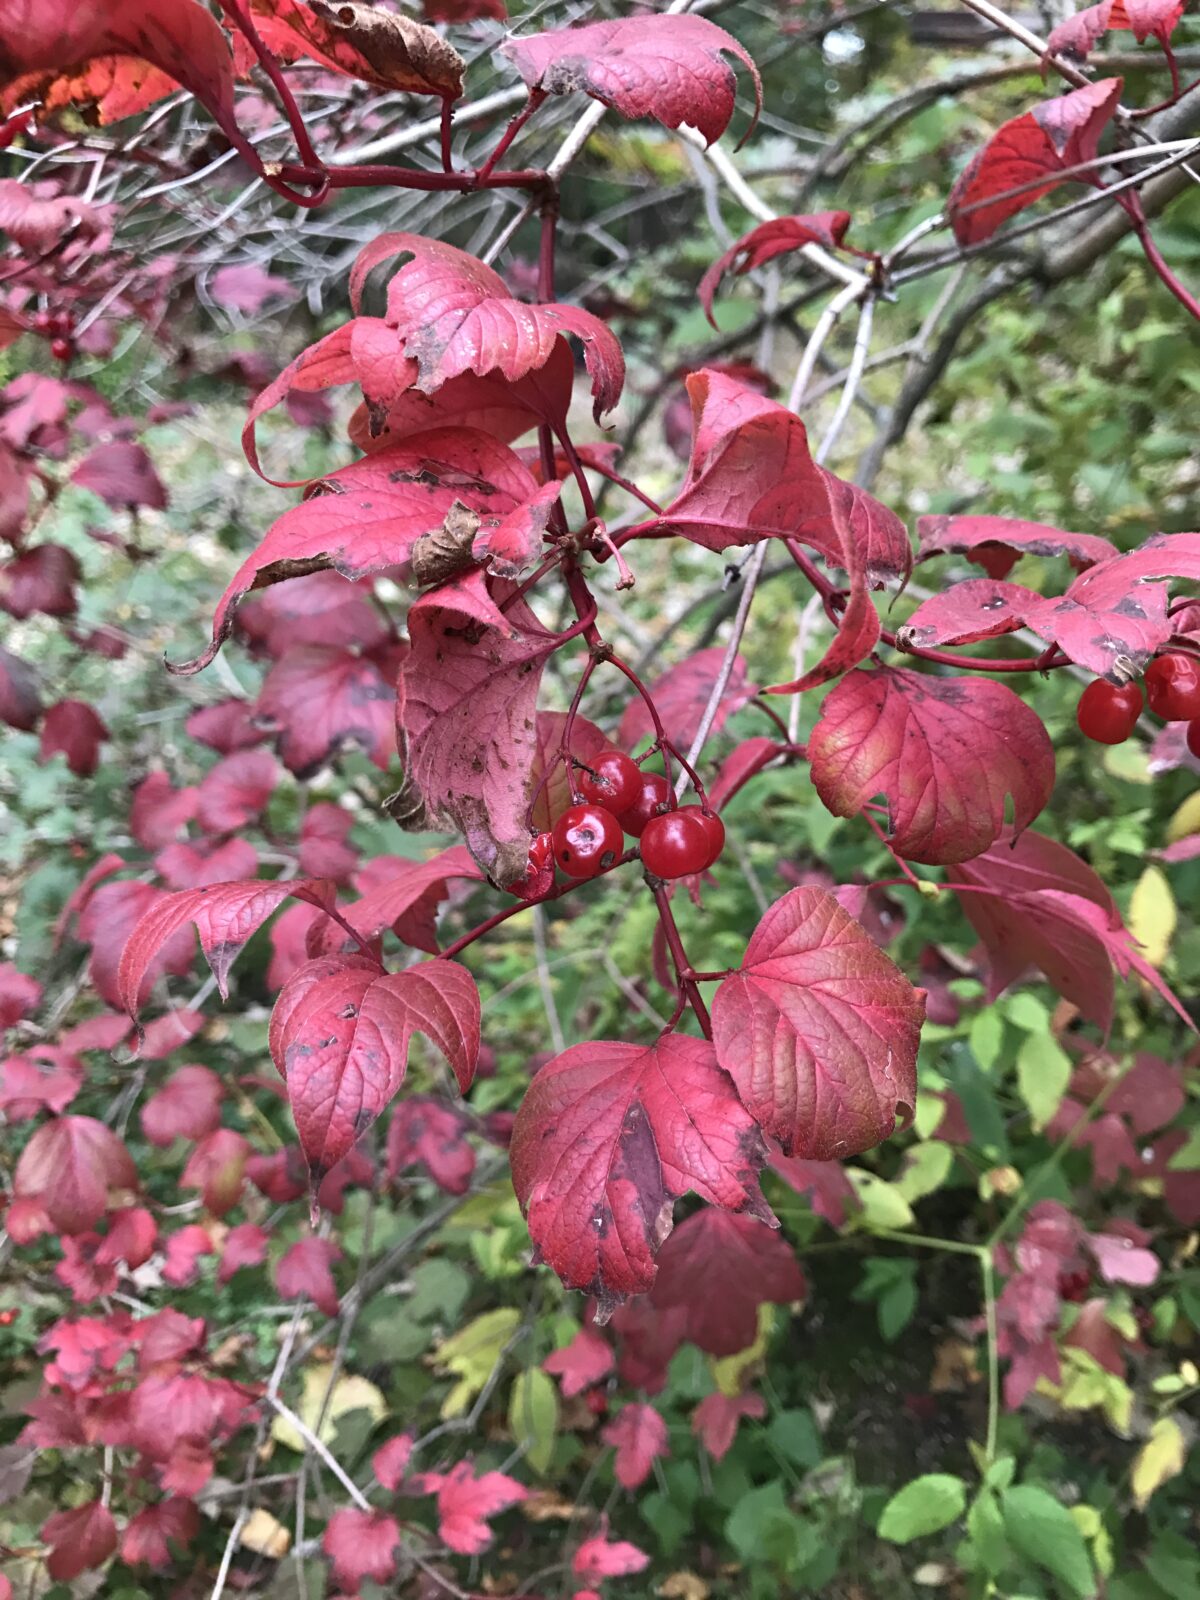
[1160,1458]
[533,1416]
[1043,1073]
[1186,819]
[1153,915]
[349,1393]
[471,1355]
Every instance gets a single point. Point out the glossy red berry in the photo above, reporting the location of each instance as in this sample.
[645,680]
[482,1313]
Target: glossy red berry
[62,349]
[45,322]
[1173,687]
[676,844]
[613,781]
[1107,711]
[652,797]
[715,829]
[62,323]
[587,839]
[536,880]
[1193,737]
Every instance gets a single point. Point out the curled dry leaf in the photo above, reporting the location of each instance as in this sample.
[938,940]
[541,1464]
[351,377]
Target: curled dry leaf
[378,47]
[667,67]
[778,237]
[819,1030]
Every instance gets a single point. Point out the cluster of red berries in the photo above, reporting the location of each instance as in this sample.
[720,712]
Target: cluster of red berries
[618,798]
[1107,711]
[57,326]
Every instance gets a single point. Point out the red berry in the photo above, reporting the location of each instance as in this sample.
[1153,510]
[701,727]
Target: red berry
[652,798]
[614,781]
[62,349]
[677,843]
[62,323]
[1193,737]
[586,840]
[1107,711]
[715,829]
[1173,687]
[536,880]
[44,322]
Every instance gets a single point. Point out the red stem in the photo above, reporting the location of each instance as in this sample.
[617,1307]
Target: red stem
[683,967]
[446,133]
[536,98]
[308,155]
[557,893]
[1130,202]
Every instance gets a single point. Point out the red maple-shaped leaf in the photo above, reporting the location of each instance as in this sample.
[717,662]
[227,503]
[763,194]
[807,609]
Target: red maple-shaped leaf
[1146,17]
[117,58]
[44,1079]
[19,995]
[819,1030]
[217,1168]
[305,1271]
[669,67]
[70,1165]
[388,51]
[183,1253]
[369,517]
[123,475]
[149,1536]
[601,1557]
[424,1130]
[390,1461]
[451,314]
[236,791]
[1030,153]
[778,237]
[716,1419]
[73,729]
[465,715]
[608,1137]
[639,1436]
[750,475]
[186,1107]
[325,849]
[20,702]
[79,1540]
[321,608]
[717,1268]
[340,1036]
[1080,33]
[41,579]
[224,914]
[681,695]
[225,726]
[189,866]
[946,754]
[580,1364]
[997,543]
[106,922]
[319,700]
[361,1544]
[464,1503]
[131,1237]
[245,1245]
[160,812]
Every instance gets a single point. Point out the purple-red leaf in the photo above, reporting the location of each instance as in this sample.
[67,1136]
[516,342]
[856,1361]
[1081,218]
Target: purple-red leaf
[668,67]
[819,1030]
[79,1540]
[361,1544]
[997,543]
[464,1503]
[770,239]
[750,476]
[451,314]
[340,1036]
[305,1272]
[1030,153]
[602,1557]
[370,516]
[580,1364]
[318,699]
[608,1137]
[186,1107]
[123,475]
[465,716]
[224,914]
[639,1436]
[947,754]
[73,729]
[717,1268]
[70,1164]
[716,1419]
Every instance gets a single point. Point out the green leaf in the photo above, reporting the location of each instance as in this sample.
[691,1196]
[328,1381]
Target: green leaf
[926,1505]
[533,1417]
[883,1206]
[1044,1532]
[985,1528]
[986,1038]
[1043,1073]
[926,1168]
[794,1435]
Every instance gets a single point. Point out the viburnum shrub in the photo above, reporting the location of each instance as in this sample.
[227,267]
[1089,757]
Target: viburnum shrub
[472,496]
